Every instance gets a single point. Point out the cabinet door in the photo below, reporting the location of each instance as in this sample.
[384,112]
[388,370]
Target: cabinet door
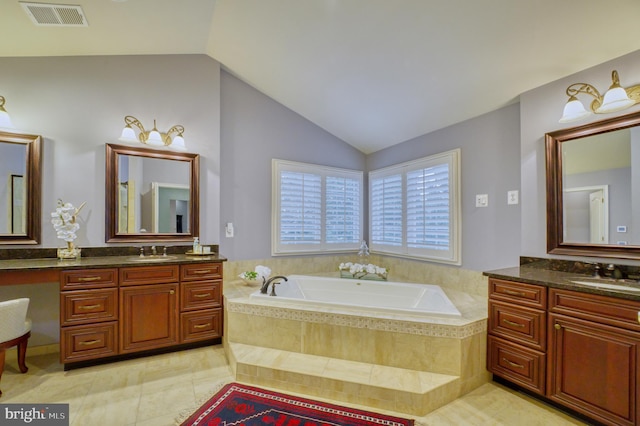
[148,317]
[594,369]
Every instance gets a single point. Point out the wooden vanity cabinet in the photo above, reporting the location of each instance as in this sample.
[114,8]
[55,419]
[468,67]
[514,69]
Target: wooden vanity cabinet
[579,350]
[516,333]
[594,363]
[118,311]
[88,314]
[200,302]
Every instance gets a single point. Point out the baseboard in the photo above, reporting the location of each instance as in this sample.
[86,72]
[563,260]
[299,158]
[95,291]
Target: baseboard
[12,353]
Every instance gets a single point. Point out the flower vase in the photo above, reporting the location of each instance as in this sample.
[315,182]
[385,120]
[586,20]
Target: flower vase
[69,252]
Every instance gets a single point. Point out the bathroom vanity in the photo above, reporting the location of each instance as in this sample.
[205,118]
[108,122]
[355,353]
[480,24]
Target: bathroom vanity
[115,306]
[574,344]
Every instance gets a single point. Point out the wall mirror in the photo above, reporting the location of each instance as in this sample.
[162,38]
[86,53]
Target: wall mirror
[20,188]
[151,195]
[593,189]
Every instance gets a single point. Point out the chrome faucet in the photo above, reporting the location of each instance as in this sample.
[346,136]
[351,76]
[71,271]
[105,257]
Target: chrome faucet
[614,271]
[265,286]
[154,252]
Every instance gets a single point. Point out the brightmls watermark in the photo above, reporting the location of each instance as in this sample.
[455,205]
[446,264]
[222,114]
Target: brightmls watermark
[34,414]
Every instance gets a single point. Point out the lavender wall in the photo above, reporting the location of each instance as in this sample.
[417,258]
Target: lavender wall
[256,129]
[489,150]
[540,110]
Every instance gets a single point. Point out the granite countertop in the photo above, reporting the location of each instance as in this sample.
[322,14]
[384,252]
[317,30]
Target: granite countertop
[624,289]
[104,262]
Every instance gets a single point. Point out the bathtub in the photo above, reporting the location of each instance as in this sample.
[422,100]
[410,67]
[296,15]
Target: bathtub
[380,296]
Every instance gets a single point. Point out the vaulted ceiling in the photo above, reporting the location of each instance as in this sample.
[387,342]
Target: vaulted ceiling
[372,72]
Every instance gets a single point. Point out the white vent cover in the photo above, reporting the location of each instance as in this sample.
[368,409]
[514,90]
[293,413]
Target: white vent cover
[55,15]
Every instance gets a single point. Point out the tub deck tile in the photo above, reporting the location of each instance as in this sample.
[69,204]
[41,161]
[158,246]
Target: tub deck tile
[390,388]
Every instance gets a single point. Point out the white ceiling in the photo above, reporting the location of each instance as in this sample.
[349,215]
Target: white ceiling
[372,72]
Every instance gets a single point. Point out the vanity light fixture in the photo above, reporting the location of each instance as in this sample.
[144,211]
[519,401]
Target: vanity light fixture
[5,120]
[153,137]
[615,99]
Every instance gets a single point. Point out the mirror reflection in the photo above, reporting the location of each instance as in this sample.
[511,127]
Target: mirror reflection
[151,195]
[593,189]
[598,186]
[20,188]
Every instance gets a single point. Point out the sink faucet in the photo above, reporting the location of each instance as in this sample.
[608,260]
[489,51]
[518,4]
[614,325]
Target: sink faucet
[614,271]
[265,286]
[153,251]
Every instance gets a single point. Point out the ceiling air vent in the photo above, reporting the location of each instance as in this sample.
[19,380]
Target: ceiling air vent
[55,15]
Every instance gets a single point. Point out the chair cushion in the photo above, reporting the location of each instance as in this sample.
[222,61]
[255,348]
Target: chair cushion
[13,317]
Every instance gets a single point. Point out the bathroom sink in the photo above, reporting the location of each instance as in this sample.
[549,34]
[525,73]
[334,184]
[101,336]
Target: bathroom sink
[152,258]
[627,285]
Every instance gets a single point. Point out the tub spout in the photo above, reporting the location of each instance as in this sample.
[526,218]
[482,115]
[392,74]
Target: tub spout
[271,281]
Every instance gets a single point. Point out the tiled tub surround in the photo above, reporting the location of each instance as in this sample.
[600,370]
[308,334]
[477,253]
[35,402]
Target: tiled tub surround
[401,363]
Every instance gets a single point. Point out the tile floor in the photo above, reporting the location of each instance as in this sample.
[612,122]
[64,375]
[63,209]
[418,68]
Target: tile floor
[154,390]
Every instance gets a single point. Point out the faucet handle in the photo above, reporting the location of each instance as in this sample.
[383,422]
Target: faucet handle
[141,251]
[596,270]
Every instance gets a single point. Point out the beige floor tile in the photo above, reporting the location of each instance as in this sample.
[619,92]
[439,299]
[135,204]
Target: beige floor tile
[154,390]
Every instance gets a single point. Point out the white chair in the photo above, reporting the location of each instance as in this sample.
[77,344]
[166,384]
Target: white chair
[15,329]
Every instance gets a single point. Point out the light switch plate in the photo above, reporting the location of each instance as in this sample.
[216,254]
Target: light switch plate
[482,200]
[512,197]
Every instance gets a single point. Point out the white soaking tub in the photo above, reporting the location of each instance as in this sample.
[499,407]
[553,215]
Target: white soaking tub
[381,296]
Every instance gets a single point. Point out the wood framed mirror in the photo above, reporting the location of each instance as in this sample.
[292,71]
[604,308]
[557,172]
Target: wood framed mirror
[151,195]
[20,188]
[593,189]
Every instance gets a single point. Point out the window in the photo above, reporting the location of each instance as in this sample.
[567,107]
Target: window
[415,208]
[316,209]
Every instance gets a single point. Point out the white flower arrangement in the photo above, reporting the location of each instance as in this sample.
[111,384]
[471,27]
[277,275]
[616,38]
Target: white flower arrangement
[362,271]
[65,223]
[259,274]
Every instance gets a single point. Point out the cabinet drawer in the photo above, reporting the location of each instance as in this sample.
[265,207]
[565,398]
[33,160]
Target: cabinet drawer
[523,366]
[86,342]
[138,275]
[520,293]
[88,278]
[524,325]
[85,306]
[200,325]
[201,271]
[199,295]
[602,309]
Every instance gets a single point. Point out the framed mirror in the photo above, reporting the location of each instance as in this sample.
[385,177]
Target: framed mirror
[151,195]
[20,188]
[593,189]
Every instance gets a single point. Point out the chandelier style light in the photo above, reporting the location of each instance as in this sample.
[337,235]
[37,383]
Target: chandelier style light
[5,120]
[153,137]
[615,99]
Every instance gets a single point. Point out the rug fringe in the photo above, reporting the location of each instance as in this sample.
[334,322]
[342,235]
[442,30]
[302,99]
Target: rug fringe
[185,413]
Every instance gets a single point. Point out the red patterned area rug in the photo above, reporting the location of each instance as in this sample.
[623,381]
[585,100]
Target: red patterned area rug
[237,404]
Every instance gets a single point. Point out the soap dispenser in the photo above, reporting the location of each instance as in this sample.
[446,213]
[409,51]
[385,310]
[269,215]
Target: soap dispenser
[196,245]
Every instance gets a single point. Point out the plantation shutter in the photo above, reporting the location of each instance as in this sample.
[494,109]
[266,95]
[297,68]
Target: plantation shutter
[316,209]
[300,208]
[386,210]
[342,210]
[428,208]
[415,208]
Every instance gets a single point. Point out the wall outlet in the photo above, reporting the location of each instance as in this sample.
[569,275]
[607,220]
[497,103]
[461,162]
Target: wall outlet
[482,200]
[512,197]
